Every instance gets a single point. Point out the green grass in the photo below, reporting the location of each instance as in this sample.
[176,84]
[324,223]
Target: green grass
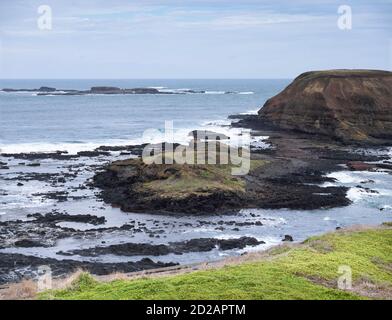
[175,180]
[198,179]
[307,271]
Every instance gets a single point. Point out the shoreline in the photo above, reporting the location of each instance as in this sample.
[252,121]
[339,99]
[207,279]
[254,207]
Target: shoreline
[283,145]
[63,288]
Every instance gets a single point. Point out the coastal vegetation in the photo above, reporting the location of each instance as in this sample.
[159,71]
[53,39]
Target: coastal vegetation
[309,270]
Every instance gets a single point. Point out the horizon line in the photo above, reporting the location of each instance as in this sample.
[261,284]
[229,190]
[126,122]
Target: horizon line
[147,78]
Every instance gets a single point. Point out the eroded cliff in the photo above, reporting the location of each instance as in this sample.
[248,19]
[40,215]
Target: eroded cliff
[347,105]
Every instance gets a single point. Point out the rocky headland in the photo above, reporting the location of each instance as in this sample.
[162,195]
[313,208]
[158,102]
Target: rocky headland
[352,106]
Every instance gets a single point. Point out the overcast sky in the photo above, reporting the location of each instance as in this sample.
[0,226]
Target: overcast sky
[191,39]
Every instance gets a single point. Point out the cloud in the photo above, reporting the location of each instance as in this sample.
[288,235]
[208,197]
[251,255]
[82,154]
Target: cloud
[192,38]
[249,20]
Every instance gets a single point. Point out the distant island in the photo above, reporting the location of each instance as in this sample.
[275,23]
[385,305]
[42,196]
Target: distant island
[45,91]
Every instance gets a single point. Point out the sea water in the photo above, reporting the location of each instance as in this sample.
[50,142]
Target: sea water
[73,123]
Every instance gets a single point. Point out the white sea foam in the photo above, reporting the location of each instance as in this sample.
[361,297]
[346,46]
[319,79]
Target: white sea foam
[246,92]
[215,92]
[357,194]
[200,230]
[268,243]
[345,177]
[158,88]
[250,112]
[71,148]
[220,122]
[180,136]
[384,192]
[259,142]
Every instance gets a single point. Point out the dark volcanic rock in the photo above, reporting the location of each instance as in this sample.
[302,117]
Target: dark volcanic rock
[353,106]
[43,91]
[281,183]
[15,267]
[59,155]
[27,243]
[359,166]
[47,89]
[60,196]
[123,185]
[193,245]
[384,166]
[288,238]
[142,91]
[93,153]
[45,231]
[55,217]
[35,164]
[106,90]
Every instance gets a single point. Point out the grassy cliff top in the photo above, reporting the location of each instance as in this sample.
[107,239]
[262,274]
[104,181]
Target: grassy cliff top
[305,271]
[343,73]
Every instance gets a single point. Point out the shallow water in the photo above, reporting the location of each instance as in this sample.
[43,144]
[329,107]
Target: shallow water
[20,202]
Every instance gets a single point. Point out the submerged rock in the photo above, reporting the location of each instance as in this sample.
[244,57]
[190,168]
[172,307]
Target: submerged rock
[353,106]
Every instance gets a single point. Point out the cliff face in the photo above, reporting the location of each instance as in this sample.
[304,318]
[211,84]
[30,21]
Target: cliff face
[348,105]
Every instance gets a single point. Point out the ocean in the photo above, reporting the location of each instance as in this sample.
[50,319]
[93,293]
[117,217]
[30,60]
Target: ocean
[73,123]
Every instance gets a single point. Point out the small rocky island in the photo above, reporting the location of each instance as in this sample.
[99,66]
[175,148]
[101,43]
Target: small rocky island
[313,127]
[43,91]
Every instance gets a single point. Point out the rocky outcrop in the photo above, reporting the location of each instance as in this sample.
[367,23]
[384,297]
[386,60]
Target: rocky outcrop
[353,106]
[210,189]
[43,91]
[15,267]
[170,188]
[178,248]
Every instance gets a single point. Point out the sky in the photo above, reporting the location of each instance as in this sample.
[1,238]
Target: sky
[144,39]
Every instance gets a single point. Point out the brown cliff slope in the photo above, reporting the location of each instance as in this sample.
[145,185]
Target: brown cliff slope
[347,105]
